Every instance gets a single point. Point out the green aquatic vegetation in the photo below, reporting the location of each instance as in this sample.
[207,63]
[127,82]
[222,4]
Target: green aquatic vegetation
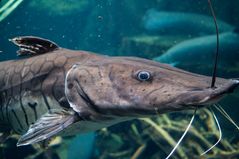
[163,132]
[60,7]
[7,7]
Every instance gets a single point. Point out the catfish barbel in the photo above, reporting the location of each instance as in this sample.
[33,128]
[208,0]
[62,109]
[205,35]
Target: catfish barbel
[56,91]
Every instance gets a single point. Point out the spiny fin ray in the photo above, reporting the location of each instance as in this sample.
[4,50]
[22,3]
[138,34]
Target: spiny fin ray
[30,45]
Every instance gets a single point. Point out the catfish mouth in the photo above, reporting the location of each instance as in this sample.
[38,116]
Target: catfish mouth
[208,96]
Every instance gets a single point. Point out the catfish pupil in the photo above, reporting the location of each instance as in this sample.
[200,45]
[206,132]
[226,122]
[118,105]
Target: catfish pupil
[143,76]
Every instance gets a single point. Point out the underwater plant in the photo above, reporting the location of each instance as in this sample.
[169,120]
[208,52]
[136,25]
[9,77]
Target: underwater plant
[153,138]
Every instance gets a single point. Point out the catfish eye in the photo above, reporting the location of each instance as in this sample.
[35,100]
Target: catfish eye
[143,76]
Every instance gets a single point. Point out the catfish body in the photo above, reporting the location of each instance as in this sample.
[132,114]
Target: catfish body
[56,91]
[31,87]
[34,86]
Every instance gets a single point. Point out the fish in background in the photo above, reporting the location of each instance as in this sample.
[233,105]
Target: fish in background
[197,54]
[180,23]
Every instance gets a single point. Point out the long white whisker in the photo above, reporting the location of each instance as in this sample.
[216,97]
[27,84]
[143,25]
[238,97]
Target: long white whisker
[185,132]
[224,113]
[220,134]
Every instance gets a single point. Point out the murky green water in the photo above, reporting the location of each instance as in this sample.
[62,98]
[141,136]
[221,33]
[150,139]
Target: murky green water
[180,33]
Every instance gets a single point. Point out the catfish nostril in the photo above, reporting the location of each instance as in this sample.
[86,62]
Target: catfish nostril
[70,86]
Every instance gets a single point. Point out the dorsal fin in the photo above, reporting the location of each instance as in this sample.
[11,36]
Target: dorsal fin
[30,45]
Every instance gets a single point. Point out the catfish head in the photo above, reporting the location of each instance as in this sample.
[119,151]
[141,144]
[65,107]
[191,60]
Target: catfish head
[135,87]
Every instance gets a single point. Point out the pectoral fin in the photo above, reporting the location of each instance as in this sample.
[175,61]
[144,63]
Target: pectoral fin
[47,126]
